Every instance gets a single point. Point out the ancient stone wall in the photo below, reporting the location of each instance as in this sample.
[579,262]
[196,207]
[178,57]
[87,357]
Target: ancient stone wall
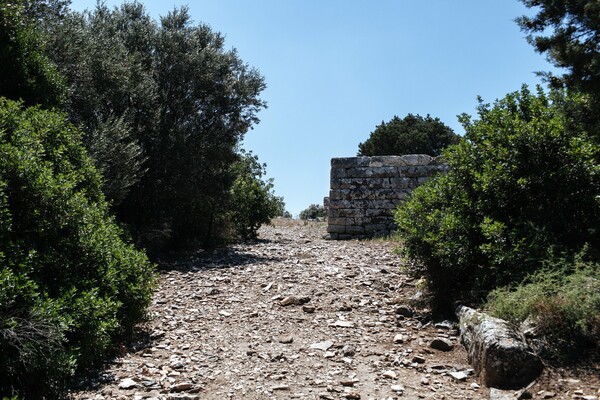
[364,191]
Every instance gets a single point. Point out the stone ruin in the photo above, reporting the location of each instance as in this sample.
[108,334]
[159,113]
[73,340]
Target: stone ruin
[364,191]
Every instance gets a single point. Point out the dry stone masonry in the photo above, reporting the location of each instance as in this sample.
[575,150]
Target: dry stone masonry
[364,191]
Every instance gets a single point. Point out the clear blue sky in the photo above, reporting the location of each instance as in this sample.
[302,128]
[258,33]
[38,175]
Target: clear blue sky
[337,68]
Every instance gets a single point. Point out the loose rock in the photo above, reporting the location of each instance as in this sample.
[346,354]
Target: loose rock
[286,339]
[218,328]
[127,384]
[442,344]
[405,310]
[322,345]
[181,387]
[497,351]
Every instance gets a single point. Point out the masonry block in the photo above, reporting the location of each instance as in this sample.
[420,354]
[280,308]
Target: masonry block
[364,191]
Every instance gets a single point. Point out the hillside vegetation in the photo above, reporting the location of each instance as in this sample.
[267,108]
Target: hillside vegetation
[115,130]
[513,226]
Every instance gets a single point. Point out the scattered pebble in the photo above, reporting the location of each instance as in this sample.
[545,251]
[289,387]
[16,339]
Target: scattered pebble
[295,318]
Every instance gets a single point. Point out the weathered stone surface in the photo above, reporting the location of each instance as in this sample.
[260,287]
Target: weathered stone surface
[442,344]
[294,300]
[497,351]
[322,345]
[405,310]
[128,383]
[365,191]
[336,228]
[496,394]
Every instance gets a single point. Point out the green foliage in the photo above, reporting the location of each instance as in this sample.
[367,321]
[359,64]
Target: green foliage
[519,184]
[313,211]
[164,107]
[106,58]
[562,300]
[253,202]
[286,214]
[25,72]
[117,155]
[568,32]
[411,135]
[69,286]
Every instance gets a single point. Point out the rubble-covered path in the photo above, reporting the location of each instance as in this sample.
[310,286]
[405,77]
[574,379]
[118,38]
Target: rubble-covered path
[291,316]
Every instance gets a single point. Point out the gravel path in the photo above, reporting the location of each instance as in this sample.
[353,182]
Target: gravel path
[291,316]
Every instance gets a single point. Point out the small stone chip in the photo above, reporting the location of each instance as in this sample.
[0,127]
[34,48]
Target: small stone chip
[128,383]
[308,309]
[286,339]
[399,338]
[459,376]
[343,324]
[441,344]
[389,374]
[397,388]
[322,345]
[418,359]
[181,387]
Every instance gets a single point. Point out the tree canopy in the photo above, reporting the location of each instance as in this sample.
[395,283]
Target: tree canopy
[412,134]
[165,107]
[26,73]
[568,32]
[313,211]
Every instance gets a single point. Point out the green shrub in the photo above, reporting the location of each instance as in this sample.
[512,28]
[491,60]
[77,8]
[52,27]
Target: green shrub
[562,300]
[412,134]
[519,184]
[69,286]
[313,211]
[25,71]
[253,202]
[165,106]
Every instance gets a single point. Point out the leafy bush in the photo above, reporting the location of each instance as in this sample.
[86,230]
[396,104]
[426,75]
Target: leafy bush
[69,286]
[286,214]
[519,184]
[25,72]
[563,302]
[117,156]
[411,135]
[165,106]
[313,211]
[253,202]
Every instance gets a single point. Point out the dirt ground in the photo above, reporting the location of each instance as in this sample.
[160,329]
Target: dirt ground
[293,316]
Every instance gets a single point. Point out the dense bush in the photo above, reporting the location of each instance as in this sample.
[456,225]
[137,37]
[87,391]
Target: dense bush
[313,211]
[411,135]
[521,186]
[164,106]
[253,202]
[69,286]
[25,71]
